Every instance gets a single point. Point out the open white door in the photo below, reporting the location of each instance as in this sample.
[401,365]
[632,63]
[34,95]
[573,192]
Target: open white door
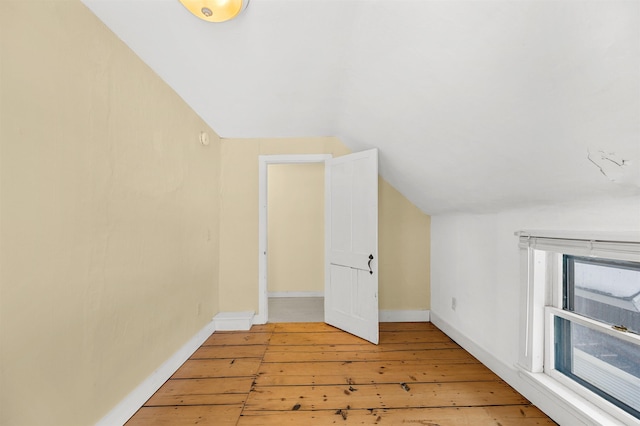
[351,227]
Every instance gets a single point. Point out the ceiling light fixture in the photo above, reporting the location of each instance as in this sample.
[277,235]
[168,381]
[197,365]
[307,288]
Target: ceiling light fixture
[215,10]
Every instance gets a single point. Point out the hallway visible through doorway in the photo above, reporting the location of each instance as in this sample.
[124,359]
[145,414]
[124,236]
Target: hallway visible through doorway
[296,309]
[295,242]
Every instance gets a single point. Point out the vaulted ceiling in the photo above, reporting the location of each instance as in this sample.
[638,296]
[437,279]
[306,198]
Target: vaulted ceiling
[474,105]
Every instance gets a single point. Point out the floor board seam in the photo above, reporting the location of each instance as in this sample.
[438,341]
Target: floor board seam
[257,373]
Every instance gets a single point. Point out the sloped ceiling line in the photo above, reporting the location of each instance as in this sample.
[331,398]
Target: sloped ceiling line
[475,106]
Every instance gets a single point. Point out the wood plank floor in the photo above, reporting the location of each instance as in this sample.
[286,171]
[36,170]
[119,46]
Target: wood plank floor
[311,373]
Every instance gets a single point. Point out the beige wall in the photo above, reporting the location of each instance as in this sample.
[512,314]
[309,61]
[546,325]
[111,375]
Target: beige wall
[109,217]
[404,251]
[403,229]
[296,227]
[239,212]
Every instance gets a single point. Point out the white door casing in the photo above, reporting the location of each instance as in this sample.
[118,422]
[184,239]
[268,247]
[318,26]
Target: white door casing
[351,245]
[263,163]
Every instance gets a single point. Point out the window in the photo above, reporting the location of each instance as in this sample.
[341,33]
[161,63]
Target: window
[595,355]
[581,318]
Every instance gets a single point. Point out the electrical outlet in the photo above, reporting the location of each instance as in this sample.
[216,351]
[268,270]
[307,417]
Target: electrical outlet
[454,303]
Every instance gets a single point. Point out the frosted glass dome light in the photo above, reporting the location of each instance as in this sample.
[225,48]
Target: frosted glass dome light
[215,10]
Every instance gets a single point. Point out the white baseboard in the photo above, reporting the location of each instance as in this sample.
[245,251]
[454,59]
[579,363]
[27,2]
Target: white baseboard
[233,321]
[276,294]
[383,316]
[563,408]
[260,319]
[404,316]
[473,348]
[122,412]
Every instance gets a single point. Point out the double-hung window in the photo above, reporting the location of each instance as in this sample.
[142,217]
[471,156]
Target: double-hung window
[581,317]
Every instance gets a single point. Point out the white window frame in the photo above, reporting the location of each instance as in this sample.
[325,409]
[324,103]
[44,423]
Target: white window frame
[541,281]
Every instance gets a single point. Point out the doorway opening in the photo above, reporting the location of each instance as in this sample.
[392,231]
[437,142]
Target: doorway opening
[297,263]
[295,242]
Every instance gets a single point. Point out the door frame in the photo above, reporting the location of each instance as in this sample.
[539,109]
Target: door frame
[263,168]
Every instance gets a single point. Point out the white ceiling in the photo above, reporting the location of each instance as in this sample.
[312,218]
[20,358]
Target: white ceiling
[474,105]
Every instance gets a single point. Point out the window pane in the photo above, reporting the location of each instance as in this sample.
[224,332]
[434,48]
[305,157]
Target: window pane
[603,363]
[606,290]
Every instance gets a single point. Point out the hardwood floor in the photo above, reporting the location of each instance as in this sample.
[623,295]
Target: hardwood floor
[311,373]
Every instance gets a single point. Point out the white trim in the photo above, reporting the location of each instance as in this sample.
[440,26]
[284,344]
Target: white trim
[263,163]
[533,266]
[615,375]
[404,316]
[561,404]
[327,236]
[495,365]
[566,399]
[622,246]
[279,294]
[126,408]
[234,321]
[541,297]
[630,237]
[592,324]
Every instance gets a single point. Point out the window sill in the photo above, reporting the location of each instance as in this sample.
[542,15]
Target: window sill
[579,406]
